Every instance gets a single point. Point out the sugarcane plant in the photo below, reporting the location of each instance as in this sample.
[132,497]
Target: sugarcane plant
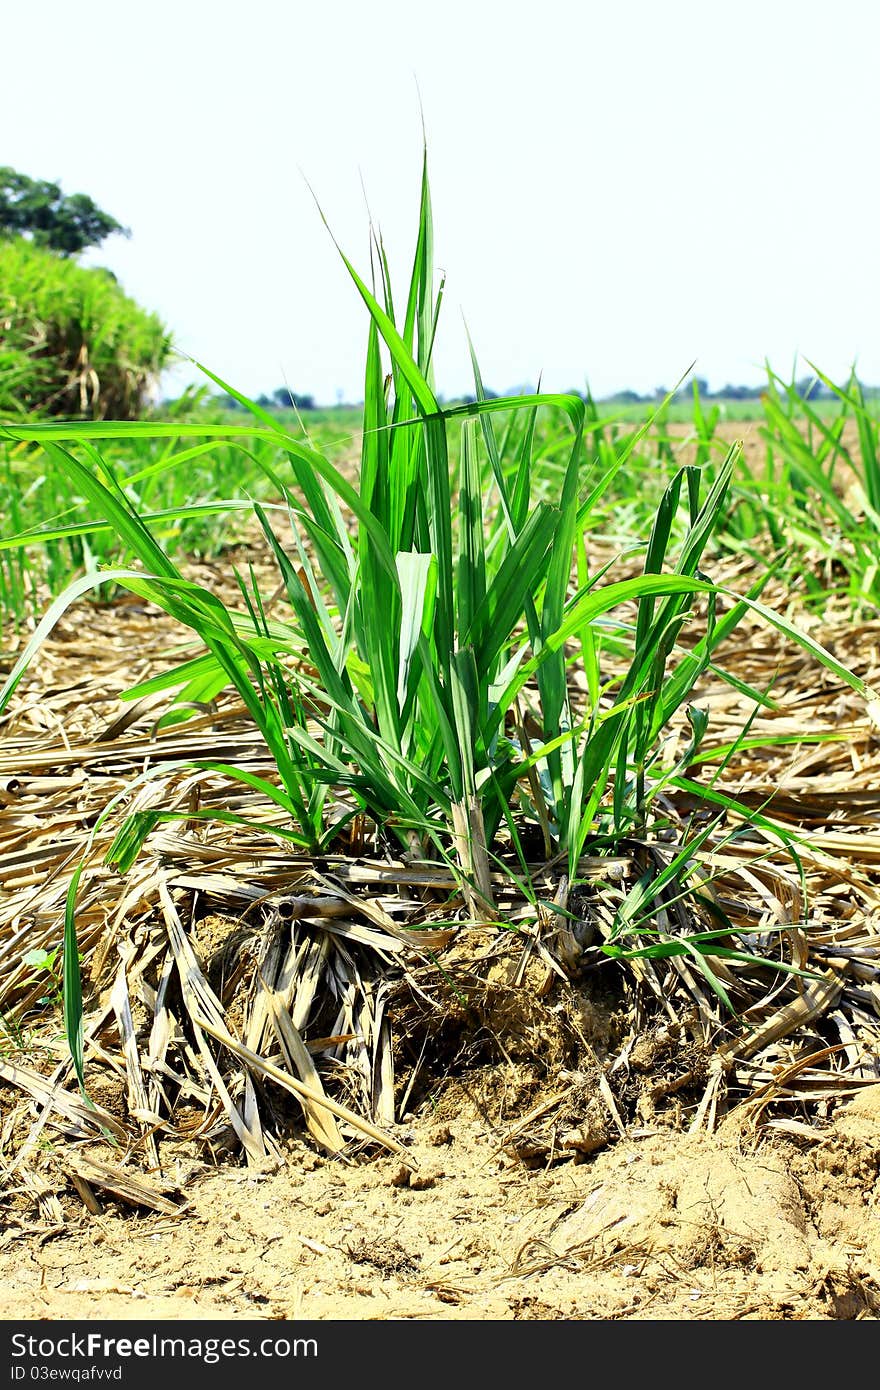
[437,605]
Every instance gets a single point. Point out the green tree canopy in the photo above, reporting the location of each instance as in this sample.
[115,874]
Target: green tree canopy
[38,210]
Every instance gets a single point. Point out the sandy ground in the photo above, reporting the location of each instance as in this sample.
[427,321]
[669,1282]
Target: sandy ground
[659,1225]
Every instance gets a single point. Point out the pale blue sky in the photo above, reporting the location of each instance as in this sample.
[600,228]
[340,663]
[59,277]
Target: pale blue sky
[618,188]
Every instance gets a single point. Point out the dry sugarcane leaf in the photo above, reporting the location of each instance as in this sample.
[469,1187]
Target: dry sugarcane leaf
[363,905]
[297,1088]
[536,1113]
[266,974]
[203,1004]
[353,1017]
[134,753]
[50,1207]
[138,1099]
[53,1097]
[382,1095]
[87,1196]
[129,1188]
[854,1050]
[321,1124]
[161,1030]
[813,1084]
[300,976]
[815,999]
[707,1110]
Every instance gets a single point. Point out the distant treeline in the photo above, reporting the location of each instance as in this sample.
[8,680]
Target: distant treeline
[809,388]
[281,399]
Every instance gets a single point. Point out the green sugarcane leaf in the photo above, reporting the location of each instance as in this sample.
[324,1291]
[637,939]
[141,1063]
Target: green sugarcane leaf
[418,588]
[519,577]
[72,982]
[471,568]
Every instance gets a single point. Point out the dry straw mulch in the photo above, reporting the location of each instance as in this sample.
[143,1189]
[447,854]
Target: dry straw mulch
[234,989]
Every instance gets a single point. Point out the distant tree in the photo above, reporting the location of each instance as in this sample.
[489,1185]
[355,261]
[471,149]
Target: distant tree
[284,399]
[739,393]
[625,398]
[810,388]
[39,211]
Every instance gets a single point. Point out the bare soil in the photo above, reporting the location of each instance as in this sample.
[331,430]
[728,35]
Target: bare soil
[660,1225]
